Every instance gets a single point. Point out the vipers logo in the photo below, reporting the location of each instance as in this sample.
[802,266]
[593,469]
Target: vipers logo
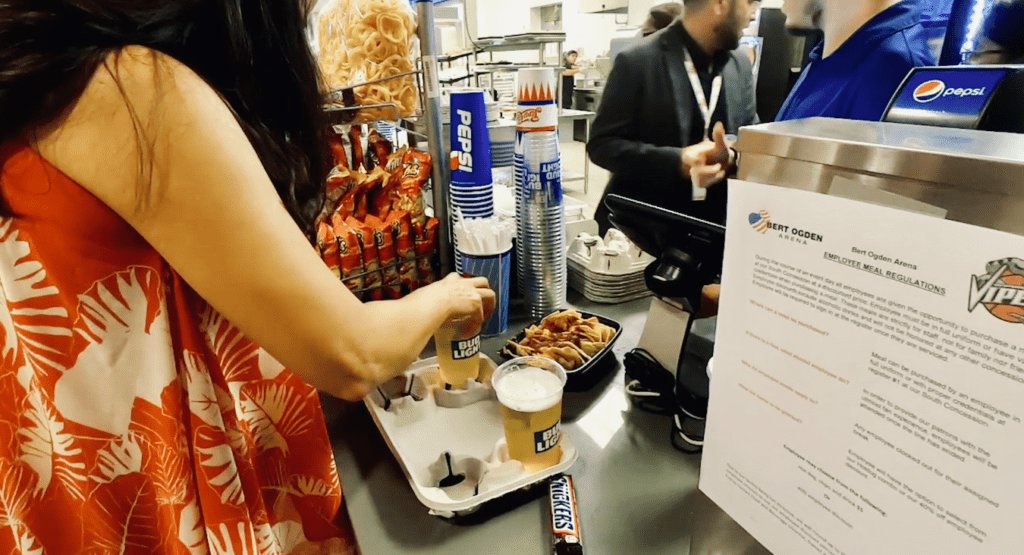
[1000,290]
[760,221]
[929,91]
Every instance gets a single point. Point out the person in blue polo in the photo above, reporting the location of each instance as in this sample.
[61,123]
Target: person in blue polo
[869,47]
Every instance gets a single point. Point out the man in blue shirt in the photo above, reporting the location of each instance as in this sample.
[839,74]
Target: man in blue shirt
[869,47]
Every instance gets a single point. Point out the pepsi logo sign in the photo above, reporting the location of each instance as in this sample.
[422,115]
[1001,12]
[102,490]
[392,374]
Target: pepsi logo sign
[929,91]
[934,89]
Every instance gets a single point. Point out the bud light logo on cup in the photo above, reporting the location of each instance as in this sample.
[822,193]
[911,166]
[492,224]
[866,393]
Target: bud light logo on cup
[465,348]
[546,440]
[929,91]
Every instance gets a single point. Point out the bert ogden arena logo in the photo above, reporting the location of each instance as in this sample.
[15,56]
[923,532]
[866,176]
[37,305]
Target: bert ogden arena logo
[1000,290]
[935,89]
[762,223]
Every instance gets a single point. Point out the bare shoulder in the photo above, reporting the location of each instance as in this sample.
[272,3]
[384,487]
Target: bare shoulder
[137,101]
[136,87]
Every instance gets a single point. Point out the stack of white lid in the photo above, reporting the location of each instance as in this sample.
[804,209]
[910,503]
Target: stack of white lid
[609,270]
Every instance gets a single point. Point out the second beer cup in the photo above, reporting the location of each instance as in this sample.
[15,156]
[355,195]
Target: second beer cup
[458,358]
[529,390]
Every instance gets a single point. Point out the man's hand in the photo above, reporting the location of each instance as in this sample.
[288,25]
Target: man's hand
[707,163]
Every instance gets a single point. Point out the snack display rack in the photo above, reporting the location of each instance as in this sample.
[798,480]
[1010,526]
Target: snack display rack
[425,125]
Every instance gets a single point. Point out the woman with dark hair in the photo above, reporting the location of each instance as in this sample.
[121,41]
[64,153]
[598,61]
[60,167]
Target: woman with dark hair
[160,168]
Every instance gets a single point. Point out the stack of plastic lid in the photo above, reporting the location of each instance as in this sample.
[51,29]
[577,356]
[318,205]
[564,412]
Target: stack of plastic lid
[540,219]
[472,189]
[610,270]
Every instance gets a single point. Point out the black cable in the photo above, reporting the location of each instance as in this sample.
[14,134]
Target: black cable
[650,385]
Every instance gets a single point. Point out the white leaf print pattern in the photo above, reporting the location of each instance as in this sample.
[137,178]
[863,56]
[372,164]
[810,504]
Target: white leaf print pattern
[273,413]
[311,486]
[172,476]
[118,459]
[129,353]
[223,543]
[236,354]
[14,498]
[124,519]
[191,533]
[266,541]
[26,329]
[47,449]
[218,464]
[202,396]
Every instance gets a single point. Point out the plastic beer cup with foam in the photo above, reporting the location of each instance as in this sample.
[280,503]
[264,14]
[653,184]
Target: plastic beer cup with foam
[529,390]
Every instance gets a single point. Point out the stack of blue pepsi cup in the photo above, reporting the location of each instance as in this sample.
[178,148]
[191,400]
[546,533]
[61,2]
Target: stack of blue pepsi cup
[472,185]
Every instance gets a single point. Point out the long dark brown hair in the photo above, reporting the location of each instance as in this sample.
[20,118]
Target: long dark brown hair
[253,52]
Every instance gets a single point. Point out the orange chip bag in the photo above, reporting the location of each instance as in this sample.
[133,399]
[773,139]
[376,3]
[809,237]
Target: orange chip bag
[401,230]
[379,149]
[339,183]
[337,146]
[425,242]
[355,135]
[396,161]
[388,256]
[371,258]
[350,253]
[415,173]
[366,191]
[328,245]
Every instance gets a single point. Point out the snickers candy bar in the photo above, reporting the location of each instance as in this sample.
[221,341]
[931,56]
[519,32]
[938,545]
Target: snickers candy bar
[565,521]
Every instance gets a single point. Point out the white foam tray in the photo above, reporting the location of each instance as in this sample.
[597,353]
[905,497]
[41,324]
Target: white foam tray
[418,431]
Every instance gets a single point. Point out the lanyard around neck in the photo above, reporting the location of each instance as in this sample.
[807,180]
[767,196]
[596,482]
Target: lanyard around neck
[707,110]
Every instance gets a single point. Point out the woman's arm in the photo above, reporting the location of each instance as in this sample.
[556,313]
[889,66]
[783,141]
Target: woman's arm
[210,210]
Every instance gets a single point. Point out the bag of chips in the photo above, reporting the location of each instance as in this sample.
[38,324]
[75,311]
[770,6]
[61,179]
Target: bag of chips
[388,255]
[425,244]
[327,244]
[371,258]
[401,230]
[409,195]
[350,253]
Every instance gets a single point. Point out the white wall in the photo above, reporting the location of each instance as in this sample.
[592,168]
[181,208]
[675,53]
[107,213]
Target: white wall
[588,33]
[501,17]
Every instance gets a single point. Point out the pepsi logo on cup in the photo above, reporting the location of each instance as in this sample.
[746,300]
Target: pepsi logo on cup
[470,140]
[464,132]
[929,91]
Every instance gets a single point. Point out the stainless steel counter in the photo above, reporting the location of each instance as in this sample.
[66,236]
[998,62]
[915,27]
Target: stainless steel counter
[636,493]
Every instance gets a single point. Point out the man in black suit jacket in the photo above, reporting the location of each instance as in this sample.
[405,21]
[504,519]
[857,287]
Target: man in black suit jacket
[650,127]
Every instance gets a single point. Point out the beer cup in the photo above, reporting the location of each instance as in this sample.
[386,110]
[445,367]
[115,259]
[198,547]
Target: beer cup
[529,390]
[458,358]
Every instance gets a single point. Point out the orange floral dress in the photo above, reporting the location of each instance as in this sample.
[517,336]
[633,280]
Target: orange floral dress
[133,417]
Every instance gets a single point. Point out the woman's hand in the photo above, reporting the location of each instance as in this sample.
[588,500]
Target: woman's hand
[470,301]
